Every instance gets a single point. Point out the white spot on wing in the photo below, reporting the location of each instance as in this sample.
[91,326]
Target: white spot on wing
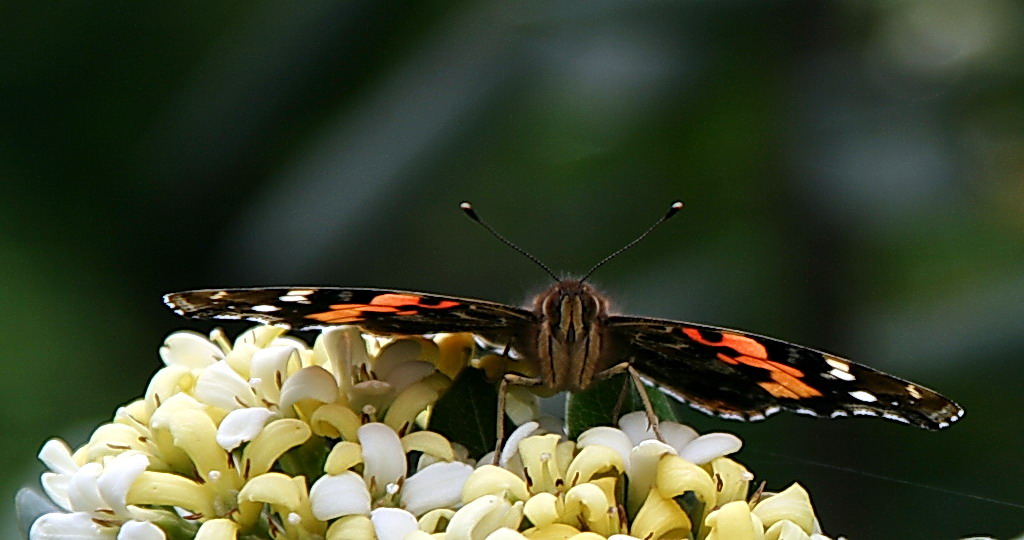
[840,374]
[265,308]
[866,397]
[895,417]
[837,363]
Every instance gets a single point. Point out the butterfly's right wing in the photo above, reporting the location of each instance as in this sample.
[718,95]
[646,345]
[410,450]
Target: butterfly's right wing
[746,376]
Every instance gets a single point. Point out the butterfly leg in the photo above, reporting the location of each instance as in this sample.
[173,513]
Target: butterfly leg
[652,419]
[507,379]
[620,401]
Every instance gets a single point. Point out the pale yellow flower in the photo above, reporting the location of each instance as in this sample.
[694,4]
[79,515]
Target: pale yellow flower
[227,434]
[212,437]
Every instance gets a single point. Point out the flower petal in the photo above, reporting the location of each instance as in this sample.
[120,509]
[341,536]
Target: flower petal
[398,352]
[140,530]
[56,488]
[223,387]
[677,435]
[785,530]
[732,480]
[435,521]
[792,504]
[505,533]
[429,443]
[313,382]
[493,480]
[733,521]
[117,478]
[616,439]
[392,523]
[335,421]
[660,517]
[409,403]
[407,373]
[483,516]
[241,425]
[343,456]
[344,348]
[272,442]
[73,526]
[591,461]
[189,349]
[259,336]
[268,370]
[643,471]
[273,488]
[710,446]
[218,529]
[194,432]
[167,489]
[588,505]
[339,495]
[544,509]
[636,427]
[350,527]
[383,456]
[512,444]
[83,492]
[553,531]
[676,476]
[539,459]
[56,455]
[436,486]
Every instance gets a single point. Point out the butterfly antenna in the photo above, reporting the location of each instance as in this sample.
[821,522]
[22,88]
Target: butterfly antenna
[672,210]
[468,210]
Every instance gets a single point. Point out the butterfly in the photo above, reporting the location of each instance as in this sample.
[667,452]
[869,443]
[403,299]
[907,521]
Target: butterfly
[570,340]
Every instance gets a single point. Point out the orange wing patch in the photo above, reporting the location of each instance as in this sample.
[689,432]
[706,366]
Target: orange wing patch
[384,303]
[785,381]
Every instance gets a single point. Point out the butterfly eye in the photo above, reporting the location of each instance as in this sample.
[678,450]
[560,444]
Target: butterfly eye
[591,305]
[551,307]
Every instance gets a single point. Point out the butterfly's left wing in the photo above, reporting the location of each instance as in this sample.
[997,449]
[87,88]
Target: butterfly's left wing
[380,311]
[748,377]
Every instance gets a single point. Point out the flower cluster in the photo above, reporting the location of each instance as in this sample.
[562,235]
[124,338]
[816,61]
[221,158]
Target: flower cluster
[268,437]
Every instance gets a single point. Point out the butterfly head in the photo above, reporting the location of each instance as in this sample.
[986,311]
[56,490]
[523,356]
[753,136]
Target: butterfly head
[571,308]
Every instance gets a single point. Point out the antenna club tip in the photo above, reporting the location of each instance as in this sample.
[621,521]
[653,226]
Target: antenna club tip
[466,207]
[673,208]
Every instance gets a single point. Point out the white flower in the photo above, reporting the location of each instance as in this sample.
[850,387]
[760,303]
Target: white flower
[216,423]
[684,440]
[384,482]
[95,496]
[224,440]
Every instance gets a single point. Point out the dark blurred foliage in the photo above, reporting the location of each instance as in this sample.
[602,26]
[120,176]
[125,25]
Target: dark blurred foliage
[853,173]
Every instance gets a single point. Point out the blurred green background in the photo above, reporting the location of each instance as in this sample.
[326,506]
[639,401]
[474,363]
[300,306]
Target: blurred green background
[853,173]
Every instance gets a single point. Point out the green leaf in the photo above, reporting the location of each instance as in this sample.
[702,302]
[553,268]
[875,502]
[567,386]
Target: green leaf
[466,413]
[595,405]
[693,507]
[306,459]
